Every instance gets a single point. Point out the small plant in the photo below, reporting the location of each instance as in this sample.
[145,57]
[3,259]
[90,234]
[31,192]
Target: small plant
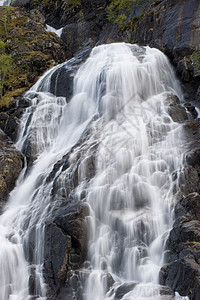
[196,57]
[126,13]
[117,11]
[6,68]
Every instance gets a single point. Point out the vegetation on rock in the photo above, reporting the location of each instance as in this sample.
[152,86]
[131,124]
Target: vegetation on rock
[126,12]
[26,51]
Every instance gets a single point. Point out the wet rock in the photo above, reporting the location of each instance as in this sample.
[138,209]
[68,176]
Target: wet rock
[192,133]
[10,116]
[11,163]
[64,246]
[71,219]
[57,246]
[193,157]
[108,281]
[166,291]
[177,113]
[124,289]
[62,79]
[181,272]
[191,109]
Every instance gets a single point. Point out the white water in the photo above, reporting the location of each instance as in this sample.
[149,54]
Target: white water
[120,94]
[56,31]
[5,2]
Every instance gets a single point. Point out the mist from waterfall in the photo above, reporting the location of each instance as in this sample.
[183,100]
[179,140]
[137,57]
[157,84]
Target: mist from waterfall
[120,100]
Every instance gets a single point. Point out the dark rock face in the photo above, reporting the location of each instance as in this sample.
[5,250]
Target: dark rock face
[85,29]
[124,289]
[173,27]
[65,246]
[62,79]
[181,272]
[11,163]
[10,117]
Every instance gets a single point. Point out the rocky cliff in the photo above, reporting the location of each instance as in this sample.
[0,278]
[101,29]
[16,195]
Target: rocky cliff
[29,50]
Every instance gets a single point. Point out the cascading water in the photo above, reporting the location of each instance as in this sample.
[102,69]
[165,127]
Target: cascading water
[5,2]
[120,102]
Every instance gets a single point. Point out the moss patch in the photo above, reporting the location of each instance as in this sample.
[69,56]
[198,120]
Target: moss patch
[196,58]
[125,13]
[26,51]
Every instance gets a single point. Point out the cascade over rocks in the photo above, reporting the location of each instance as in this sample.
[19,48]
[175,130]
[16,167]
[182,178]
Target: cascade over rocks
[181,271]
[173,27]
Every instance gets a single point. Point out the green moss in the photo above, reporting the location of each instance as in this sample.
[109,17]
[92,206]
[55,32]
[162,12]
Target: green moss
[125,12]
[118,11]
[5,100]
[196,58]
[24,52]
[192,243]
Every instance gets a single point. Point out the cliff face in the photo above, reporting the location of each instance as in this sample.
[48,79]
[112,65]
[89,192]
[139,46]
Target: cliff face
[171,26]
[174,27]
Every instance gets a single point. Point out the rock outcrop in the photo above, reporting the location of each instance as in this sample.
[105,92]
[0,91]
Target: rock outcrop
[11,163]
[65,246]
[26,51]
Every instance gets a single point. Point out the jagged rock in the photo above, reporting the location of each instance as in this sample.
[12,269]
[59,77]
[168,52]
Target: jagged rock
[181,272]
[11,163]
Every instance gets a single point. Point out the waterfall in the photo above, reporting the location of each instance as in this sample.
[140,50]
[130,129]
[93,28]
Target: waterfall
[119,108]
[5,2]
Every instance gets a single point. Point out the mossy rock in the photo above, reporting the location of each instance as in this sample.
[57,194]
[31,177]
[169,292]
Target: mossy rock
[26,51]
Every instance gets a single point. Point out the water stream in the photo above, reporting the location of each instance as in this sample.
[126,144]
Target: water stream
[121,96]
